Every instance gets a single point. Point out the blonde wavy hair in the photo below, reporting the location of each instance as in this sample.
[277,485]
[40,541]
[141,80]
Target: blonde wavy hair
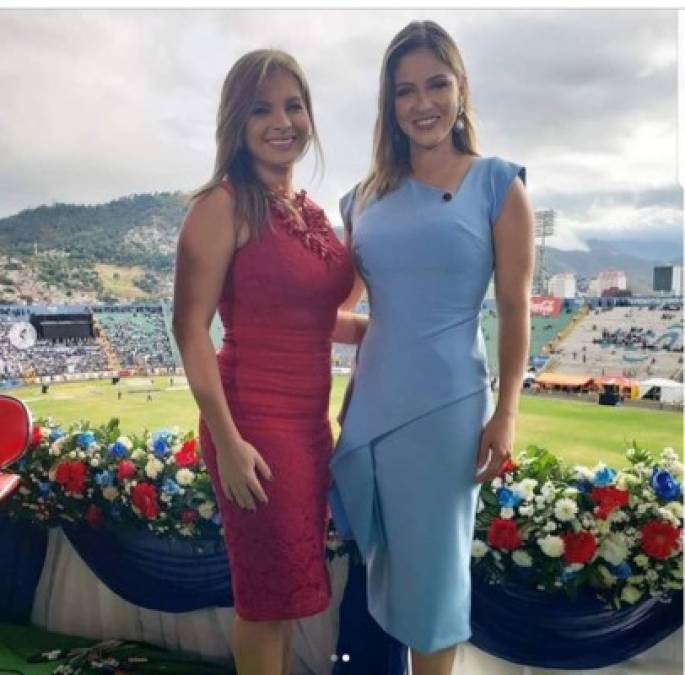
[390,161]
[233,161]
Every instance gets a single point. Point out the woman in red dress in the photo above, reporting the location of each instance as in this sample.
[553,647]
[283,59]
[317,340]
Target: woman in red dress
[267,258]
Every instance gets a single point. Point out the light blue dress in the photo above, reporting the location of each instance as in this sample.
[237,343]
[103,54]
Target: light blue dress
[404,466]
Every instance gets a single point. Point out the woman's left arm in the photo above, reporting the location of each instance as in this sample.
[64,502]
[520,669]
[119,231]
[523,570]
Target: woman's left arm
[350,327]
[514,249]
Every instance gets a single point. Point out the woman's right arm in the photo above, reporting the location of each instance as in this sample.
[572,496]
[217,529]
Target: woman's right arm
[206,245]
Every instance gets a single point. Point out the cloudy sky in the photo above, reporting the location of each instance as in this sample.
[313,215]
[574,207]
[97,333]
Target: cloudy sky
[97,104]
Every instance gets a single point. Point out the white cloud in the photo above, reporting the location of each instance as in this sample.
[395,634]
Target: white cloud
[101,103]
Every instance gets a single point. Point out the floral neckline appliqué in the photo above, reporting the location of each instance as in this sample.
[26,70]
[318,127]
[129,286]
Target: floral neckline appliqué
[313,230]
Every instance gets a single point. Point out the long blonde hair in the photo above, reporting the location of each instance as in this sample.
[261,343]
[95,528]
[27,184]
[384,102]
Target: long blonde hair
[391,162]
[233,160]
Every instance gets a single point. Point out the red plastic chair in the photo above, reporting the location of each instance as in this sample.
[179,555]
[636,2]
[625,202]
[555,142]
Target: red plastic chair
[15,436]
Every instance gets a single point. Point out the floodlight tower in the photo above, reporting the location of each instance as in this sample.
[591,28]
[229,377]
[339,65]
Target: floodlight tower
[544,227]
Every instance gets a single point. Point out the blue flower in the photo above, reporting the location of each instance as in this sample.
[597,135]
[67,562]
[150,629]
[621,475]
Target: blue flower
[568,575]
[604,477]
[621,571]
[584,486]
[45,489]
[664,485]
[55,434]
[104,478]
[507,498]
[118,450]
[171,487]
[85,439]
[160,448]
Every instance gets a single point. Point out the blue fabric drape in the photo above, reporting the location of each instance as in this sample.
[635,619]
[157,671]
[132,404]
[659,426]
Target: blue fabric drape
[525,626]
[371,651]
[22,553]
[155,572]
[511,622]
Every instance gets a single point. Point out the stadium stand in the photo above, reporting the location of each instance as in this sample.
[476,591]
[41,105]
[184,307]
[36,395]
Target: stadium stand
[636,342]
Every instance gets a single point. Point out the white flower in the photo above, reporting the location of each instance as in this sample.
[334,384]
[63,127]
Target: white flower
[583,473]
[72,454]
[652,575]
[525,488]
[565,509]
[521,558]
[636,579]
[125,441]
[110,493]
[550,526]
[94,461]
[631,594]
[574,567]
[607,577]
[153,467]
[642,509]
[676,469]
[675,508]
[496,483]
[206,510]
[138,454]
[185,477]
[481,505]
[678,571]
[617,516]
[57,447]
[669,455]
[81,454]
[613,549]
[526,510]
[506,512]
[547,491]
[552,546]
[625,480]
[478,548]
[668,515]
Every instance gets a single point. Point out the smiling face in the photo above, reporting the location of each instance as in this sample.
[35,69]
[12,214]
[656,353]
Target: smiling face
[426,99]
[279,128]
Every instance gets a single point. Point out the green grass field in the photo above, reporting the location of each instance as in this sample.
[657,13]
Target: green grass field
[580,432]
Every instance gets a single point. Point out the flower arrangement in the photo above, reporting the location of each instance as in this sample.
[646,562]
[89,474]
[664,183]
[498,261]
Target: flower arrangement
[97,476]
[558,528]
[103,479]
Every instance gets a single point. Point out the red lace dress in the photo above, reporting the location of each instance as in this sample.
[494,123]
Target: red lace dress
[278,307]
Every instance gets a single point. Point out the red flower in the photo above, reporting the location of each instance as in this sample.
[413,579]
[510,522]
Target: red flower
[608,499]
[126,469]
[189,517]
[94,516]
[660,539]
[187,455]
[508,466]
[36,437]
[144,499]
[579,547]
[71,476]
[503,534]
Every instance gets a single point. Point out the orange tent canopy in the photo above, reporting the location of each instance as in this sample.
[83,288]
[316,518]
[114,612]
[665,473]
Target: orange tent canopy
[564,380]
[619,380]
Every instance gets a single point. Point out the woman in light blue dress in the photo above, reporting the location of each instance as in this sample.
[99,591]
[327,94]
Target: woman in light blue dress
[428,227]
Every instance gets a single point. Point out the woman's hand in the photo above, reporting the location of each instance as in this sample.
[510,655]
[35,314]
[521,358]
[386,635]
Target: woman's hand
[495,446]
[238,465]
